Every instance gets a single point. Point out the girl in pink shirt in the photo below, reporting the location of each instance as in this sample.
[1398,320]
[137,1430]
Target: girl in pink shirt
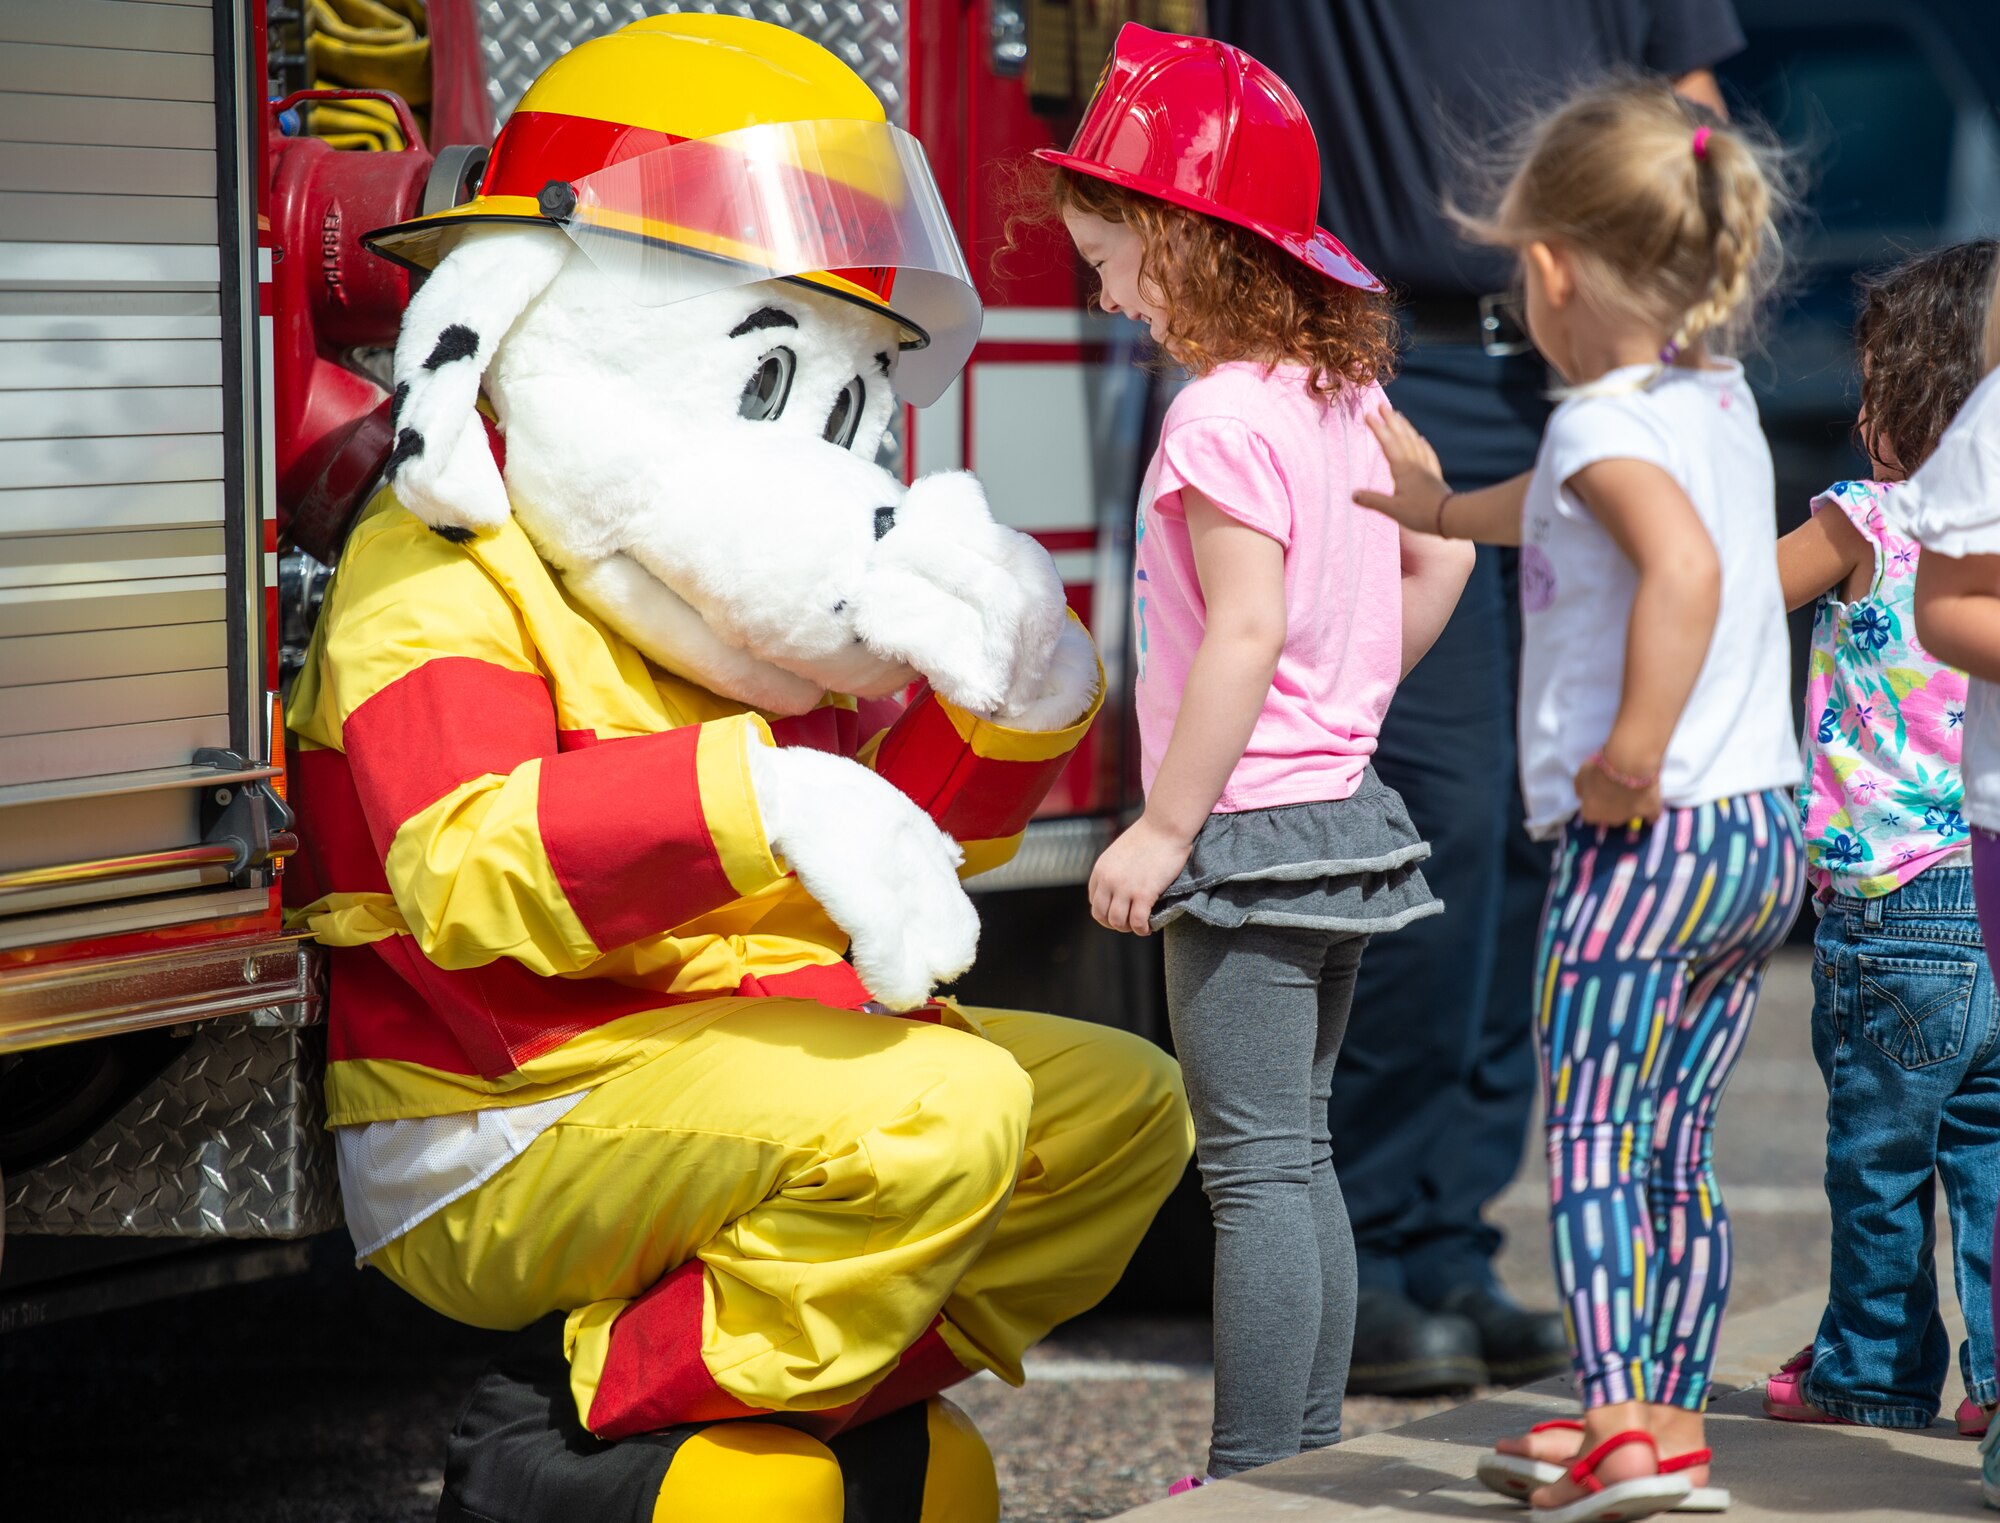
[1272,621]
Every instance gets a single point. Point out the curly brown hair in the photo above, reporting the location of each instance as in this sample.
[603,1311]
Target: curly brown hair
[1922,336]
[1229,294]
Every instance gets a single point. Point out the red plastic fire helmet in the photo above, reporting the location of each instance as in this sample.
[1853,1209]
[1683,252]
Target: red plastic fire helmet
[1205,126]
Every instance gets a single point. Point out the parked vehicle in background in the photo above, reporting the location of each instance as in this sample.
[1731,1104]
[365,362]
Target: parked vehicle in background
[1894,111]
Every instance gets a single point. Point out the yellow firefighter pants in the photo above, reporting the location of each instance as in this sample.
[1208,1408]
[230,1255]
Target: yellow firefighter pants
[844,1178]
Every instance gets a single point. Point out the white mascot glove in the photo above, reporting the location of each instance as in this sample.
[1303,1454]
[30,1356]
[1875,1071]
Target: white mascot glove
[876,863]
[978,608]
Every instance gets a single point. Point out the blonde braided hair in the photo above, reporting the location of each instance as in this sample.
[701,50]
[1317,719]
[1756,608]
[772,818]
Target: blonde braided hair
[1673,214]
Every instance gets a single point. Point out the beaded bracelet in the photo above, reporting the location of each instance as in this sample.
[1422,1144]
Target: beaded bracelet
[1624,780]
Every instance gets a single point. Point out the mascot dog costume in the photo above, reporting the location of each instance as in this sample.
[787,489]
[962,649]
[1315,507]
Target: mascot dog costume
[600,747]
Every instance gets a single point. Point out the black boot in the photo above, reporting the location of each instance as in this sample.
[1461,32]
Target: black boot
[1402,1350]
[1518,1345]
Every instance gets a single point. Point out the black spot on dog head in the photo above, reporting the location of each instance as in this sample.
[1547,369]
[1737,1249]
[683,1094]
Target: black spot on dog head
[458,534]
[764,317]
[409,445]
[457,342]
[396,404]
[882,362]
[885,520]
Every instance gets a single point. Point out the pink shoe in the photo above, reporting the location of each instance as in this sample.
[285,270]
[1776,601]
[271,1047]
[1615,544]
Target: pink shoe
[1186,1483]
[1972,1418]
[1785,1397]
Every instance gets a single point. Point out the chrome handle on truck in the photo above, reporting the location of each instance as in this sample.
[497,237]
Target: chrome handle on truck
[220,854]
[244,825]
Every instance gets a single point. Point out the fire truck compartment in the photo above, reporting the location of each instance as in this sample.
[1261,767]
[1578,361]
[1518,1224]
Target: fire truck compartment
[228,1142]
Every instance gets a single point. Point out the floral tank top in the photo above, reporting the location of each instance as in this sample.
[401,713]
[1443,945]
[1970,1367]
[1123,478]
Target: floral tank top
[1884,720]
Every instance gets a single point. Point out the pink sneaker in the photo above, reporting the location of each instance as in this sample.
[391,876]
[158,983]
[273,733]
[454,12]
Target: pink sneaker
[1972,1418]
[1186,1483]
[1785,1397]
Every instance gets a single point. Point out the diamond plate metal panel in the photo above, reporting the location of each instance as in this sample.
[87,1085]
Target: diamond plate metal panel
[523,37]
[229,1142]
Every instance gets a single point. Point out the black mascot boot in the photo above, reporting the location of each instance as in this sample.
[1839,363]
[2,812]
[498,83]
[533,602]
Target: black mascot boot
[517,1454]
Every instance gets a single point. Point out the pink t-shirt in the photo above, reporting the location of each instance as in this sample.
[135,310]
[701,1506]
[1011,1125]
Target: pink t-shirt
[1269,453]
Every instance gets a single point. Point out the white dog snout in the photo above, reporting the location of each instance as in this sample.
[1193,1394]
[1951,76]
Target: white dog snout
[973,605]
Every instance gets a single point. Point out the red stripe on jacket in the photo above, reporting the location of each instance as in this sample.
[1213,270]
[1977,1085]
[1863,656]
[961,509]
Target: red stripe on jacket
[436,728]
[620,821]
[832,983]
[623,827]
[335,850]
[493,1018]
[972,798]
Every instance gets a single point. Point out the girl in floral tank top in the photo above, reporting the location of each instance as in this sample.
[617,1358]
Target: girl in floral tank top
[1903,1002]
[1881,799]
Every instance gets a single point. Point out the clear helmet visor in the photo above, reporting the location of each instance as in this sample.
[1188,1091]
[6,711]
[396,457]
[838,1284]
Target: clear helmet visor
[851,202]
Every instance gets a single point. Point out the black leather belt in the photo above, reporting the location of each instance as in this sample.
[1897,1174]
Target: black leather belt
[1491,322]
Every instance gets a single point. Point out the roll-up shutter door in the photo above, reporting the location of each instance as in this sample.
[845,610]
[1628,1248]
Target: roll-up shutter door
[115,523]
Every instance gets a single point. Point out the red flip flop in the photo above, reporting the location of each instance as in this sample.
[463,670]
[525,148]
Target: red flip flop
[1699,1498]
[1620,1501]
[1516,1475]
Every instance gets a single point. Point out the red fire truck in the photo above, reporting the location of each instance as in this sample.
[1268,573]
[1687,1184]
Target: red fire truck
[192,353]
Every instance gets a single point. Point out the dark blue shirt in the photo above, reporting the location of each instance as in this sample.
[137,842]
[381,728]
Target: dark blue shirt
[1397,88]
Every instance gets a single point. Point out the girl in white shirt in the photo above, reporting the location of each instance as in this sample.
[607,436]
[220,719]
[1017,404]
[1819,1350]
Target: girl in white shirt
[1657,749]
[1952,508]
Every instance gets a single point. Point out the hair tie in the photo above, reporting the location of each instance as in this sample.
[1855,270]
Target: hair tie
[1701,142]
[1670,352]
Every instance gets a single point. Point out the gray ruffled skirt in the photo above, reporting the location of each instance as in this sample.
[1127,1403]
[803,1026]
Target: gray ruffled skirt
[1341,865]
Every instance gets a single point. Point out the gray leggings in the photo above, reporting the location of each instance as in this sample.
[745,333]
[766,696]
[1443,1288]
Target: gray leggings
[1258,1014]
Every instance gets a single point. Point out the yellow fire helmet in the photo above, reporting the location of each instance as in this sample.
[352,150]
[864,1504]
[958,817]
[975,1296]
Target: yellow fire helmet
[686,154]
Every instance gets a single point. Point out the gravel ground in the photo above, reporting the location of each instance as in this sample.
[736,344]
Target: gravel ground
[325,1398]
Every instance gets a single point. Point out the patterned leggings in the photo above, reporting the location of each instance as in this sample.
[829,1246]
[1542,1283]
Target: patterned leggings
[1654,943]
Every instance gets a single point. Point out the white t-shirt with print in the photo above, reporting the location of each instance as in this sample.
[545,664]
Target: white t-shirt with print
[1952,507]
[1735,735]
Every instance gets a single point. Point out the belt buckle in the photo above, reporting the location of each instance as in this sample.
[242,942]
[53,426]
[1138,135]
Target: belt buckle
[1501,333]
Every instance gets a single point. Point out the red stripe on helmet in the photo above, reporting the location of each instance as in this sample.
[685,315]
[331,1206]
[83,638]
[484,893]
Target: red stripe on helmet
[536,147]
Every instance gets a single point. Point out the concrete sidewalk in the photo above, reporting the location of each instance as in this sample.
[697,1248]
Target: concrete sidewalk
[1774,1470]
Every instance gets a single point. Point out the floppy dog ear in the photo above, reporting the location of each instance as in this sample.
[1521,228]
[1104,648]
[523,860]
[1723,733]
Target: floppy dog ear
[441,466]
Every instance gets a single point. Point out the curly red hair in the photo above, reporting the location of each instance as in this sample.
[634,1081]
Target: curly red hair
[1230,295]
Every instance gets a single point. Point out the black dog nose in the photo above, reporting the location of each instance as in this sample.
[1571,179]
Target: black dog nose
[885,520]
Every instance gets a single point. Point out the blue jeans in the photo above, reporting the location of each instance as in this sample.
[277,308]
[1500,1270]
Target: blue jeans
[1904,1031]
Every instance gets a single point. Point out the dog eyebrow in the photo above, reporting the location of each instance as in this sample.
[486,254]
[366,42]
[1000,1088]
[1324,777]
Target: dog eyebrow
[764,317]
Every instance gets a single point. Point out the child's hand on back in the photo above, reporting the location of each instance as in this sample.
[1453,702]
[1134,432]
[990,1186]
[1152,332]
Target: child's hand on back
[1420,485]
[1132,874]
[1603,800]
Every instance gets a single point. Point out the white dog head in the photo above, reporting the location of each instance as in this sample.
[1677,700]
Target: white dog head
[702,476]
